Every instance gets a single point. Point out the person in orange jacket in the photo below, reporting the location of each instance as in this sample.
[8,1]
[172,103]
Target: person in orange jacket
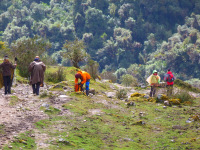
[85,78]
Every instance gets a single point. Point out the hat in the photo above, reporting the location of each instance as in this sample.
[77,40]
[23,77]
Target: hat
[5,57]
[77,75]
[155,71]
[36,59]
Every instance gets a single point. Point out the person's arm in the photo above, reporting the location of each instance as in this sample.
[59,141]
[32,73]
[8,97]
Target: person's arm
[30,68]
[13,66]
[84,79]
[43,66]
[76,80]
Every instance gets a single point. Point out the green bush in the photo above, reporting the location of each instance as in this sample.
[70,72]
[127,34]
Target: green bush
[128,80]
[55,77]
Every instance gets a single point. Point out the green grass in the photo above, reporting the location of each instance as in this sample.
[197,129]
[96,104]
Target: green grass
[23,141]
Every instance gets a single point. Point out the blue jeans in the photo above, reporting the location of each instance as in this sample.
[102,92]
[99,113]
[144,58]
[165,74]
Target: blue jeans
[36,88]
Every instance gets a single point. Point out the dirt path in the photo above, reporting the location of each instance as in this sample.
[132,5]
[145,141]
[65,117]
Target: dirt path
[21,116]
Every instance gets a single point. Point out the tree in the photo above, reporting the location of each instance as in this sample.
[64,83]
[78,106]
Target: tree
[25,49]
[75,51]
[94,19]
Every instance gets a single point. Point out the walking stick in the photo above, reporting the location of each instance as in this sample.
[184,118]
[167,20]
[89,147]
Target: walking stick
[14,76]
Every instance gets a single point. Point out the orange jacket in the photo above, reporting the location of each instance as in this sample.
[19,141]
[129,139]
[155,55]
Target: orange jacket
[84,77]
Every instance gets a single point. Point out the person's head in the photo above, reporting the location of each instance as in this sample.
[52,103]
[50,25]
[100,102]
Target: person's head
[6,58]
[78,75]
[37,57]
[155,72]
[169,70]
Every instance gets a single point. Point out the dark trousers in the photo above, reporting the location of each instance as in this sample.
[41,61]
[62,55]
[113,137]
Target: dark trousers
[7,84]
[169,90]
[36,88]
[153,91]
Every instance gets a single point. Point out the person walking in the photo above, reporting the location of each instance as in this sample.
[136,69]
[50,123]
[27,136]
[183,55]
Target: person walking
[37,69]
[169,78]
[154,81]
[85,78]
[6,72]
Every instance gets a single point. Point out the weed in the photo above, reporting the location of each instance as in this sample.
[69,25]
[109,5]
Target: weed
[121,94]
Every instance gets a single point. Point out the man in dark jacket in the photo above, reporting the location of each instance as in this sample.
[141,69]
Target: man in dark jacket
[169,78]
[6,71]
[37,69]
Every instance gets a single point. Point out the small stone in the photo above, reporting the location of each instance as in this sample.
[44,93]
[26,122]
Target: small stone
[164,107]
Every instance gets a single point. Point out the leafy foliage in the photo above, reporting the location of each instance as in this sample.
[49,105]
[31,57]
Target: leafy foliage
[75,51]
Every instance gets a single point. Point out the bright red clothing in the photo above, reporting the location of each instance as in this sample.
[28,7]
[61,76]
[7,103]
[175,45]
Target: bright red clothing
[169,75]
[84,77]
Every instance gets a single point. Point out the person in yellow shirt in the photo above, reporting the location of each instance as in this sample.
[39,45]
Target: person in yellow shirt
[154,81]
[85,78]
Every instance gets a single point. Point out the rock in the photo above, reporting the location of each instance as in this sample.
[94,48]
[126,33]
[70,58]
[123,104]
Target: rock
[164,107]
[178,127]
[110,94]
[131,104]
[128,139]
[159,96]
[92,91]
[166,103]
[61,140]
[63,96]
[146,96]
[45,105]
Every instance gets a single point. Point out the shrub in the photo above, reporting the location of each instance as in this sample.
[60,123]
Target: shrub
[184,96]
[55,77]
[128,80]
[122,93]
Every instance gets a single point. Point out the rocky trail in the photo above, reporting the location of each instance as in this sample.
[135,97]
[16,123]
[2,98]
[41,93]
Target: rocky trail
[20,117]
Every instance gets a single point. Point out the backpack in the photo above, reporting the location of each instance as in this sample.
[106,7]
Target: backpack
[170,78]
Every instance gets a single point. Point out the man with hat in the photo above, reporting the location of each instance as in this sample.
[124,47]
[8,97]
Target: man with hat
[37,69]
[85,78]
[6,72]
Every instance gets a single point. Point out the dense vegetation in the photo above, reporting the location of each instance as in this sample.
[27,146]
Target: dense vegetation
[125,34]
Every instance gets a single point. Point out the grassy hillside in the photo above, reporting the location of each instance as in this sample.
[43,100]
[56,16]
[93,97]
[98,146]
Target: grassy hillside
[98,122]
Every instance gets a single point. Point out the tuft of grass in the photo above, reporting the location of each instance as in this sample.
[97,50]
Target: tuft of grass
[14,100]
[121,94]
[2,127]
